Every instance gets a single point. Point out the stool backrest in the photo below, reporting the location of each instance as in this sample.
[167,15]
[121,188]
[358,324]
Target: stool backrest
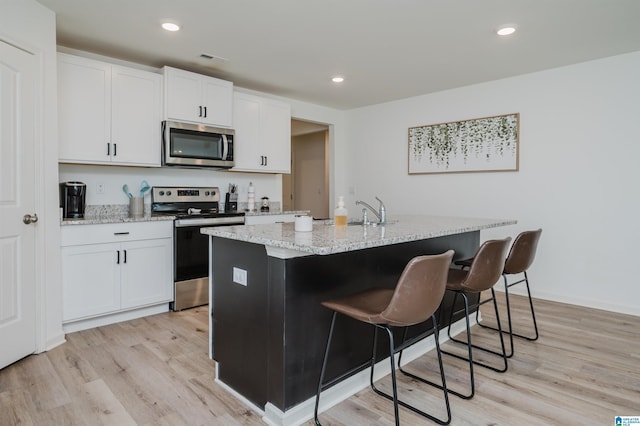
[487,265]
[419,291]
[523,251]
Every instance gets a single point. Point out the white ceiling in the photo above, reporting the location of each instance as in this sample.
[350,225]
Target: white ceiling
[385,49]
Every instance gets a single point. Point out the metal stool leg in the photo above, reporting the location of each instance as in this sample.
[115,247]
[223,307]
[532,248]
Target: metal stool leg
[394,397]
[443,387]
[511,333]
[502,354]
[533,314]
[468,343]
[322,370]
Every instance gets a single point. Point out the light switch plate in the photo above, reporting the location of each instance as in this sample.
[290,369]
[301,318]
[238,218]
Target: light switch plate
[239,276]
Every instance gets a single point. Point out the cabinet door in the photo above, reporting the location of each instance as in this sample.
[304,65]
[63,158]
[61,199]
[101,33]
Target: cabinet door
[269,218]
[263,134]
[246,123]
[84,110]
[91,280]
[275,129]
[136,117]
[218,100]
[147,275]
[183,96]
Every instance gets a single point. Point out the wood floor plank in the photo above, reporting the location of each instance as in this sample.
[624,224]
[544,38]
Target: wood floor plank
[584,369]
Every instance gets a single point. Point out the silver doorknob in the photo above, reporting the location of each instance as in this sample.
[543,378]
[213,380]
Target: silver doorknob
[28,218]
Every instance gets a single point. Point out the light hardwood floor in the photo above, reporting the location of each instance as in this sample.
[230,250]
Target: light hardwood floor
[584,369]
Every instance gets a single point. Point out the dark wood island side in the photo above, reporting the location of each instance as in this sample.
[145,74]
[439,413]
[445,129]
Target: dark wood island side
[268,331]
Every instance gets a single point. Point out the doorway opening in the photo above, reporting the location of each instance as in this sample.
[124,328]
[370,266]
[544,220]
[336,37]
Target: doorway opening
[307,187]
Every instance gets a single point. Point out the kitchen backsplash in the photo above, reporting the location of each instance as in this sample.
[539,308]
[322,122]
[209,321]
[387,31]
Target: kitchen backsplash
[111,178]
[102,210]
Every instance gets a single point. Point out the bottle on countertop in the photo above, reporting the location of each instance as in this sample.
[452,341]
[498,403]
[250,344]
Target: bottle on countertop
[340,213]
[251,197]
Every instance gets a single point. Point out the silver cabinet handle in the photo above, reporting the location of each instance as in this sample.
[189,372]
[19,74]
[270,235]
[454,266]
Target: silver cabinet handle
[29,219]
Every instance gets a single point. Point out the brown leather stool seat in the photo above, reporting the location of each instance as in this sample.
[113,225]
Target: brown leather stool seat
[520,258]
[484,271]
[415,299]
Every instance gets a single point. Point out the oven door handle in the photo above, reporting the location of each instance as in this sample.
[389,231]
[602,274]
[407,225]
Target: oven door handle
[220,221]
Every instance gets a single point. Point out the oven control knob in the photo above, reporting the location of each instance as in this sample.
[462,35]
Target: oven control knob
[168,192]
[213,193]
[161,193]
[206,193]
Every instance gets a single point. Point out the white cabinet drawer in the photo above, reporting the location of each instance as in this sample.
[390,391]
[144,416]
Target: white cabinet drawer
[73,235]
[269,218]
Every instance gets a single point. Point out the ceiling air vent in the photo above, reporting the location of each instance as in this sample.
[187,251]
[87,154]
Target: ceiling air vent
[213,57]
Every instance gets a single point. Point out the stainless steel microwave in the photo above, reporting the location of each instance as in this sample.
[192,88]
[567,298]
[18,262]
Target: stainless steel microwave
[196,145]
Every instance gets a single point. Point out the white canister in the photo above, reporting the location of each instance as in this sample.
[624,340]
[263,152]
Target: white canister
[303,223]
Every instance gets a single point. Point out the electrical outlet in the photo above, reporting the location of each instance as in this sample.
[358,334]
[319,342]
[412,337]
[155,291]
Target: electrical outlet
[100,188]
[239,276]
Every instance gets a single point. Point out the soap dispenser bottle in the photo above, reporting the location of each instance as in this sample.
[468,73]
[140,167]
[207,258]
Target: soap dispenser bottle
[340,213]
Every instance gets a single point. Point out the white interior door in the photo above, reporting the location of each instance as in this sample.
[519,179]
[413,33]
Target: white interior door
[18,70]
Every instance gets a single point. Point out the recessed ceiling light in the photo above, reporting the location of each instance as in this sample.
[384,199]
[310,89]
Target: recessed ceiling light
[337,79]
[506,31]
[170,26]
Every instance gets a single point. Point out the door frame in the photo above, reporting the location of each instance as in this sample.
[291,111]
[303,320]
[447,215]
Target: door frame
[300,128]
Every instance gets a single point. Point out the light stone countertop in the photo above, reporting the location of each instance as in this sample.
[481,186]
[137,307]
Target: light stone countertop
[283,241]
[111,213]
[119,213]
[274,212]
[113,218]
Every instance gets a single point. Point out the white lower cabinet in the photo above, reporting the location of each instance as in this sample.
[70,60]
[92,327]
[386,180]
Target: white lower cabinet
[113,269]
[91,280]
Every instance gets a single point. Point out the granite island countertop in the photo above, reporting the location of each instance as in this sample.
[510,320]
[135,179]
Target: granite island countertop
[282,240]
[275,212]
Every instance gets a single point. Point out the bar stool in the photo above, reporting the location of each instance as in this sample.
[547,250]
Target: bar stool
[416,297]
[519,260]
[484,271]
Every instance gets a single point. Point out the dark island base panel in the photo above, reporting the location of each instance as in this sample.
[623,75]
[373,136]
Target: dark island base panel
[269,336]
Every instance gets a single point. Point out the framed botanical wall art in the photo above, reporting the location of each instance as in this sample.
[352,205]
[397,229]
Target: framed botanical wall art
[489,144]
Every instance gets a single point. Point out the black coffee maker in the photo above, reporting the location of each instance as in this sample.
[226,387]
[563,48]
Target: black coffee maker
[73,199]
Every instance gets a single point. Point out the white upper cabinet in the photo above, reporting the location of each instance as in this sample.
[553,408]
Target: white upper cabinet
[108,114]
[197,98]
[262,141]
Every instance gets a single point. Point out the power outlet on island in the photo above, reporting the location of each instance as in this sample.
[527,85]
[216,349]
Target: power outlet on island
[239,276]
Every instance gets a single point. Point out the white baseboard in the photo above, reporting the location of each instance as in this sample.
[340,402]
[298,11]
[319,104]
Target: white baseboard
[575,300]
[304,411]
[85,324]
[55,341]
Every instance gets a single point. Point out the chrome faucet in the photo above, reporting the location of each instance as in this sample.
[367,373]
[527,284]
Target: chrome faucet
[381,214]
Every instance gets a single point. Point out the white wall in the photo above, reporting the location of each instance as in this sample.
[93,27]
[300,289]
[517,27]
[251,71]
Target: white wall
[578,178]
[31,26]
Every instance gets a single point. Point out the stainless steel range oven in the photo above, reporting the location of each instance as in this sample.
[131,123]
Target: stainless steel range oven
[194,208]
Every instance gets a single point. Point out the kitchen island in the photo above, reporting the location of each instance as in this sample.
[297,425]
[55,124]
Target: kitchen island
[268,329]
